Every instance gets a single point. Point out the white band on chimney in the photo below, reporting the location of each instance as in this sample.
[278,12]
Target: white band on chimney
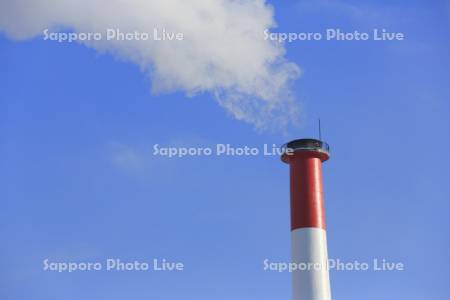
[309,251]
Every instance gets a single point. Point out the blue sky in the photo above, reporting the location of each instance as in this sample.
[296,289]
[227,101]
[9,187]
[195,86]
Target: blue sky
[80,183]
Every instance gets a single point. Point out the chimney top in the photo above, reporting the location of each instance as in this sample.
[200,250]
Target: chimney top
[307,146]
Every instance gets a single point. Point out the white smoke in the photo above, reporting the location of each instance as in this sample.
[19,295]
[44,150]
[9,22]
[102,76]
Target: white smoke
[223,51]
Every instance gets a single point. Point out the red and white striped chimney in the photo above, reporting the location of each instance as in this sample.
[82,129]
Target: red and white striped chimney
[309,242]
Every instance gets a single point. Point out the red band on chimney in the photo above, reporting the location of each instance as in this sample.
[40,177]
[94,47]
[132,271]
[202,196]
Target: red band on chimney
[307,208]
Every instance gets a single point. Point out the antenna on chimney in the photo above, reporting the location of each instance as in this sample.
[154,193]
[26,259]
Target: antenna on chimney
[320,131]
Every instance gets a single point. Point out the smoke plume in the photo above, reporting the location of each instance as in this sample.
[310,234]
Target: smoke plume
[223,51]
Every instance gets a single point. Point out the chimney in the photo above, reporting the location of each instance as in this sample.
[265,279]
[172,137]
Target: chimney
[308,231]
